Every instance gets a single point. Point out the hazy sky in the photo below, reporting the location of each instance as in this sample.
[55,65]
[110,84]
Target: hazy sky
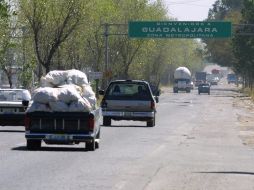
[189,10]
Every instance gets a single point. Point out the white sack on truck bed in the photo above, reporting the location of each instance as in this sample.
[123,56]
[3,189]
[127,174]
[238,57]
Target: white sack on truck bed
[82,105]
[45,83]
[57,78]
[68,94]
[45,95]
[76,77]
[89,94]
[36,106]
[64,91]
[59,106]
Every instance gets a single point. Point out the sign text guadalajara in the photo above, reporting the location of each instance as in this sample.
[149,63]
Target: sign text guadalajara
[179,29]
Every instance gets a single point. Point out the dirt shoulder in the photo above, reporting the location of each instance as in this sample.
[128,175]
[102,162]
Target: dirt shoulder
[245,116]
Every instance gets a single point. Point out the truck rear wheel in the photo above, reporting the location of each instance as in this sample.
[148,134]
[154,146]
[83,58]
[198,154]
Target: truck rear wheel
[106,121]
[91,145]
[33,144]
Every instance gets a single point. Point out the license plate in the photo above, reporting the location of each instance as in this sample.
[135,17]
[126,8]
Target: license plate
[127,114]
[59,137]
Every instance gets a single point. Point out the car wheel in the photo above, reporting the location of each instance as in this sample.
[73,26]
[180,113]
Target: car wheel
[97,144]
[151,122]
[97,139]
[98,135]
[33,144]
[106,121]
[91,145]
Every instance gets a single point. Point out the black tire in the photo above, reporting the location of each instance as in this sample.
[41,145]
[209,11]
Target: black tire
[106,121]
[98,135]
[151,122]
[33,144]
[91,146]
[97,144]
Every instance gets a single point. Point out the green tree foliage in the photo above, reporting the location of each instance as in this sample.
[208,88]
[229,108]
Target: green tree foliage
[244,44]
[70,34]
[6,42]
[221,49]
[51,22]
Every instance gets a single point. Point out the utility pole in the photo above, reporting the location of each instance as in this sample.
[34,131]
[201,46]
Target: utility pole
[106,69]
[106,34]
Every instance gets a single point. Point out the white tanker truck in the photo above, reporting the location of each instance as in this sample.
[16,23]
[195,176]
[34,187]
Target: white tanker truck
[182,80]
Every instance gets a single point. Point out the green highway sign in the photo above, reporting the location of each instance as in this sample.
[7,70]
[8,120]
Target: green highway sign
[179,29]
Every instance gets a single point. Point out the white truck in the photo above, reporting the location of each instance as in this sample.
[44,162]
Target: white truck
[182,80]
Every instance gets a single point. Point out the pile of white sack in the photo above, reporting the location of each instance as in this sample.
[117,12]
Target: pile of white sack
[64,91]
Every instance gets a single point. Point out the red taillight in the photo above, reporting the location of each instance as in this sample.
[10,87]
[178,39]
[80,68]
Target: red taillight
[152,105]
[91,122]
[27,122]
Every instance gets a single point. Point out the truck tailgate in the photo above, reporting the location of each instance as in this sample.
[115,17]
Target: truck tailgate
[59,122]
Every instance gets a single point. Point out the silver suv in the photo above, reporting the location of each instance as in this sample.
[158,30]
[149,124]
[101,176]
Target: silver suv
[128,100]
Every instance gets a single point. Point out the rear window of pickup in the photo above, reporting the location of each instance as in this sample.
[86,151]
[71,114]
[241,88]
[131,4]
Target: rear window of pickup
[128,91]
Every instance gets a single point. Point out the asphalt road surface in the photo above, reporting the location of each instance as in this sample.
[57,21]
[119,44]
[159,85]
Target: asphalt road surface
[195,145]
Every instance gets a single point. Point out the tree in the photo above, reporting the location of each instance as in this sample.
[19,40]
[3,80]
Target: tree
[6,43]
[221,49]
[51,23]
[244,45]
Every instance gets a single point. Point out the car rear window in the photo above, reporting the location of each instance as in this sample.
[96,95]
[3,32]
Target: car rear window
[14,95]
[128,91]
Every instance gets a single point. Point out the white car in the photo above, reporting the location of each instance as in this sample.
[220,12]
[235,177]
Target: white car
[13,104]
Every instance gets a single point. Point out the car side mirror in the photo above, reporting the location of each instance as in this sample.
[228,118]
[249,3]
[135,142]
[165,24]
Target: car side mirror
[25,103]
[156,99]
[158,93]
[101,92]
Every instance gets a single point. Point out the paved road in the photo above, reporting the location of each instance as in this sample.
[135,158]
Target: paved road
[195,145]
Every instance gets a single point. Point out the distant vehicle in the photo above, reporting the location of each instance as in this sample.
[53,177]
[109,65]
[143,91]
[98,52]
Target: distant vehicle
[182,80]
[204,88]
[128,100]
[192,85]
[200,77]
[215,71]
[13,104]
[214,81]
[232,78]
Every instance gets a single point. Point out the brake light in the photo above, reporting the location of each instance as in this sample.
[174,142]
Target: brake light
[91,122]
[152,105]
[27,122]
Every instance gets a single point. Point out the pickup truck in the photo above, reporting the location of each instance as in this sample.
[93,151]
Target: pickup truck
[62,128]
[128,100]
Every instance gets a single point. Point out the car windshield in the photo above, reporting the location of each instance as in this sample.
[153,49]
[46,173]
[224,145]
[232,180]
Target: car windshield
[14,95]
[132,91]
